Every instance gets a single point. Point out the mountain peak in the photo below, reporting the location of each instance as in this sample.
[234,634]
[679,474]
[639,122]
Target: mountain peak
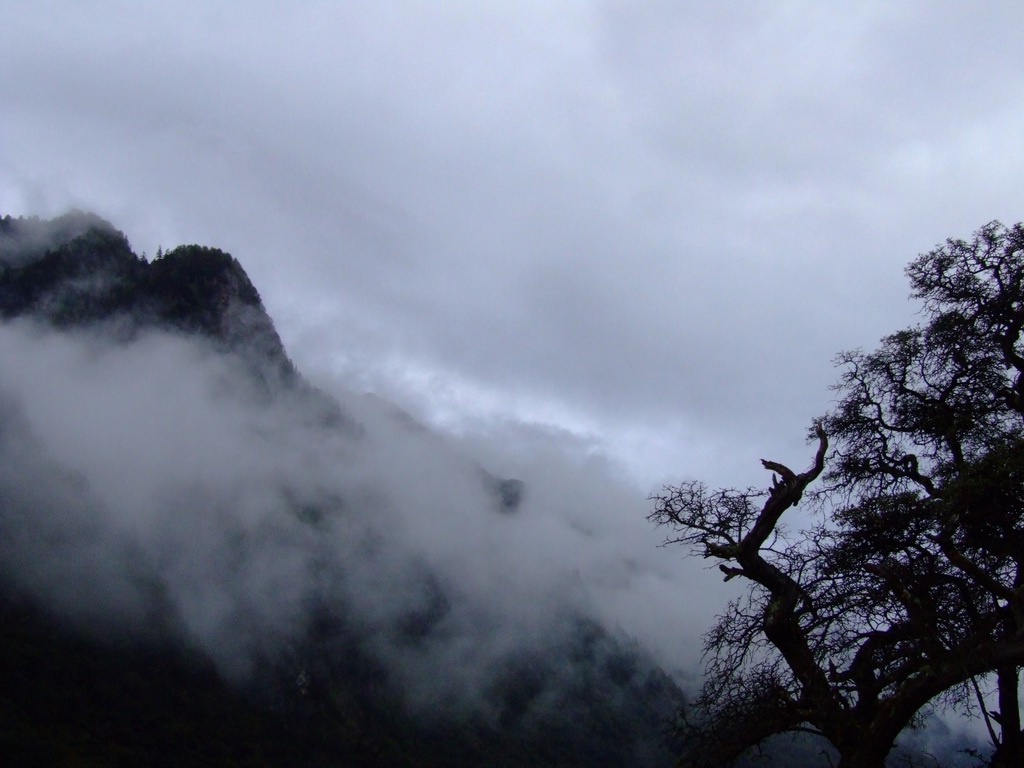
[26,239]
[78,270]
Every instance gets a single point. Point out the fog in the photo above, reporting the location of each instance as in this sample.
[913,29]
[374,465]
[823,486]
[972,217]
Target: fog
[154,486]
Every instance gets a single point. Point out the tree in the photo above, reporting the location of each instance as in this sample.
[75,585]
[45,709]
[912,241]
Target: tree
[905,592]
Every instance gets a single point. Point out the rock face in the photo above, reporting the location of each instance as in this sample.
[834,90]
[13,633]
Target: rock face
[325,683]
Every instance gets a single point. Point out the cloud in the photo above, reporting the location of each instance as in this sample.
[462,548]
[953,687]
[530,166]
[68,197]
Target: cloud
[649,219]
[149,487]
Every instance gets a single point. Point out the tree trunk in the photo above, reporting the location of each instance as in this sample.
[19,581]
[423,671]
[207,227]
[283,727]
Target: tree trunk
[1010,751]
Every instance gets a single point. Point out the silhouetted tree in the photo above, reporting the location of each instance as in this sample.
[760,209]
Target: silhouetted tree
[905,592]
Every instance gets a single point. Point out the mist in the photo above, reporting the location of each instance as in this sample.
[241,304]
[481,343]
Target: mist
[155,486]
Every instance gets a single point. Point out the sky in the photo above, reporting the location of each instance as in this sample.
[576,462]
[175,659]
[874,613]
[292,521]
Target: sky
[605,245]
[646,225]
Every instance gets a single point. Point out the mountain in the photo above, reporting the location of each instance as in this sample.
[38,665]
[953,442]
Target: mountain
[77,270]
[204,560]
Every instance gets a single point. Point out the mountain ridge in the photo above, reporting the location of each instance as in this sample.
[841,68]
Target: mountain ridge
[80,271]
[586,696]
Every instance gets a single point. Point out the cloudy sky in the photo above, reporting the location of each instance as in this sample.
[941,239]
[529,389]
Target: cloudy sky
[645,226]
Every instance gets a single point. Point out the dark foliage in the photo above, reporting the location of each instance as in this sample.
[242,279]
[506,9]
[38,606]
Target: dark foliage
[70,699]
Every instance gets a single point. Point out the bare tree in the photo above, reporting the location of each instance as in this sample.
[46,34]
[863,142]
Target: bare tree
[908,593]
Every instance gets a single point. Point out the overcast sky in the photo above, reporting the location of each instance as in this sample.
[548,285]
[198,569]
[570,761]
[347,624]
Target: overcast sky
[647,224]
